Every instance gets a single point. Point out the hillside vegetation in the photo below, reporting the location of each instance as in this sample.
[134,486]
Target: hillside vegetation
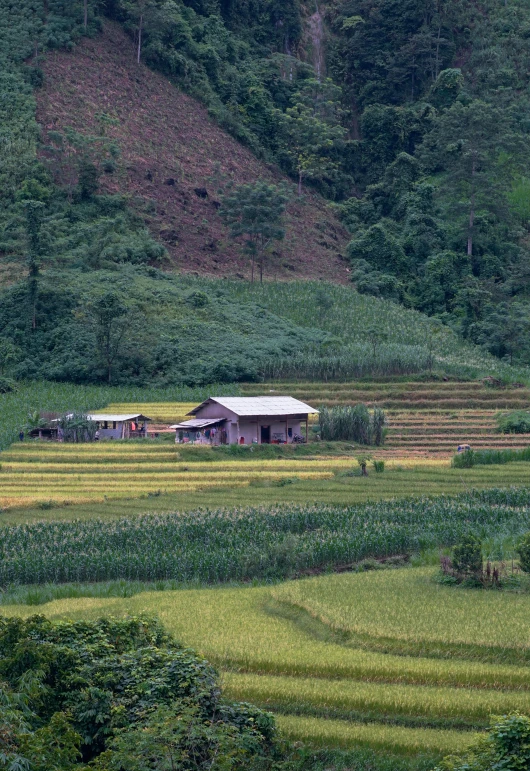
[413,124]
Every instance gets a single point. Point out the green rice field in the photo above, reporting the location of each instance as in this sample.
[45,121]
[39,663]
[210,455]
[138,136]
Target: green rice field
[333,690]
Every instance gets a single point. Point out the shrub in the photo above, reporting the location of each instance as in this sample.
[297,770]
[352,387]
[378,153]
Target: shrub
[523,549]
[507,746]
[466,459]
[467,555]
[7,385]
[517,422]
[379,466]
[115,688]
[471,458]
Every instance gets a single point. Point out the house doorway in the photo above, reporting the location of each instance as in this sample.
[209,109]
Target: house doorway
[265,434]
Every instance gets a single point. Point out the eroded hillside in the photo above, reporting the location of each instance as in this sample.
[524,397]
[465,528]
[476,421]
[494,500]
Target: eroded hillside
[171,152]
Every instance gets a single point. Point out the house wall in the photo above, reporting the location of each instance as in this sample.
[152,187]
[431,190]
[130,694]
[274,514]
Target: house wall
[111,433]
[250,430]
[214,410]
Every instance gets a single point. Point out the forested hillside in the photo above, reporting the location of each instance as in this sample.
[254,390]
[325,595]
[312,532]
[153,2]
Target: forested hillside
[142,135]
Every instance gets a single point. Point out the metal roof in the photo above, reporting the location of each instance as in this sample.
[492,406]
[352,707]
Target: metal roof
[259,405]
[198,423]
[100,417]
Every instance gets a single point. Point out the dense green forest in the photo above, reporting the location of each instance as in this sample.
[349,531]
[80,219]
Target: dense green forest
[414,126]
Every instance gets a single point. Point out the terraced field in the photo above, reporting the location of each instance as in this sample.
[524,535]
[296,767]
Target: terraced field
[425,419]
[302,650]
[112,479]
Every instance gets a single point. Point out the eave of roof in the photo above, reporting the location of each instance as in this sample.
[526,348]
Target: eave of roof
[198,423]
[265,406]
[101,416]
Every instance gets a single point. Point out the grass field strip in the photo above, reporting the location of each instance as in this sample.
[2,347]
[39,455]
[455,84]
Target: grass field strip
[82,472]
[95,472]
[395,739]
[231,627]
[345,603]
[458,707]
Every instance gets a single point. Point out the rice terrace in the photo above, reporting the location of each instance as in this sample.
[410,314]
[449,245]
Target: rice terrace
[312,588]
[264,385]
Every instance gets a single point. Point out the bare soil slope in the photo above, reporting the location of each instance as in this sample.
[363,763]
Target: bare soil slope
[170,150]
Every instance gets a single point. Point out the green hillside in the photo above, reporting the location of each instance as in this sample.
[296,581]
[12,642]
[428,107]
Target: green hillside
[413,124]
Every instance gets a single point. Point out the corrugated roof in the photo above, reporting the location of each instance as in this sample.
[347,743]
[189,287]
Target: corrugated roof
[198,423]
[118,418]
[259,405]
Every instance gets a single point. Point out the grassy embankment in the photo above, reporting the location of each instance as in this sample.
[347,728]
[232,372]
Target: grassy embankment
[279,647]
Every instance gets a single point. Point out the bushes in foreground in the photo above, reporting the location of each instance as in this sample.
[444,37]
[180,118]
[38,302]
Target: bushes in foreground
[119,693]
[506,746]
[243,544]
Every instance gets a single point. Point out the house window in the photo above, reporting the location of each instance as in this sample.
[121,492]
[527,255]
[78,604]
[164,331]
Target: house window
[290,433]
[105,424]
[114,424]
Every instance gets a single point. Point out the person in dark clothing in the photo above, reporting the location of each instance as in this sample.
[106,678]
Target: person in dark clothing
[21,436]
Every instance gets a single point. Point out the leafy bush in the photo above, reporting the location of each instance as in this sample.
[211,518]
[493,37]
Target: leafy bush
[467,555]
[111,689]
[517,422]
[506,746]
[7,385]
[466,459]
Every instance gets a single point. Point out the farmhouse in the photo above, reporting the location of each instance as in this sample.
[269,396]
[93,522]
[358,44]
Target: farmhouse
[246,420]
[120,426]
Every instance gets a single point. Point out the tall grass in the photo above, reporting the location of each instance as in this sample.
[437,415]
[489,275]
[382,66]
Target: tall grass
[353,360]
[353,318]
[340,733]
[398,605]
[355,424]
[406,704]
[241,544]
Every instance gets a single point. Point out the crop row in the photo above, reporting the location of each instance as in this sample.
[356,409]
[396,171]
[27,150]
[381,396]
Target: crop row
[396,605]
[223,545]
[452,707]
[394,739]
[236,629]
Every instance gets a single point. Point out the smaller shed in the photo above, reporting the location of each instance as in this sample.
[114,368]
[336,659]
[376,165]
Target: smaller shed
[120,426]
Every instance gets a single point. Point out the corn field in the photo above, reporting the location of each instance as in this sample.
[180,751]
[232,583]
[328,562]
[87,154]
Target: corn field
[352,361]
[241,544]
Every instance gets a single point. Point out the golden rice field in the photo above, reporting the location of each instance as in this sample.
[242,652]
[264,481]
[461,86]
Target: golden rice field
[330,689]
[113,479]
